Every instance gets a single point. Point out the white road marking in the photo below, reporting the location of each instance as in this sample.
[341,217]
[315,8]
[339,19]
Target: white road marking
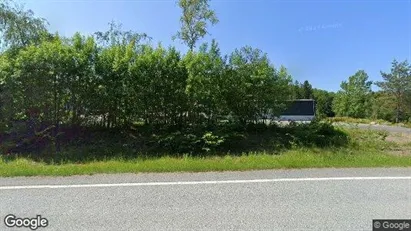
[202,182]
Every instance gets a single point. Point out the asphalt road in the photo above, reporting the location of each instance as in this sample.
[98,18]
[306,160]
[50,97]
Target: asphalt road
[315,199]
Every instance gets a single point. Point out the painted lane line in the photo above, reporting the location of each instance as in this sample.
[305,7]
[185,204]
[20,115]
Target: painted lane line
[202,182]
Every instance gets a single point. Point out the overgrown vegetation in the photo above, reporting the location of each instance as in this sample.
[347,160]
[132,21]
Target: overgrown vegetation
[113,94]
[114,79]
[84,143]
[365,148]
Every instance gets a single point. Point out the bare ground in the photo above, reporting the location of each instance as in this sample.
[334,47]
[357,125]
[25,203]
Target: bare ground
[402,141]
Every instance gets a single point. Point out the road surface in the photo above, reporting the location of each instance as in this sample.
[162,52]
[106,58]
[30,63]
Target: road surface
[314,199]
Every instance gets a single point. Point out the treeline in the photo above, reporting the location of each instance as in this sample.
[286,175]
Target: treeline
[155,98]
[393,102]
[356,98]
[117,79]
[79,81]
[56,91]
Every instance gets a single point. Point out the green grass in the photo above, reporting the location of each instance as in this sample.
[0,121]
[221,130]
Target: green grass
[366,149]
[290,159]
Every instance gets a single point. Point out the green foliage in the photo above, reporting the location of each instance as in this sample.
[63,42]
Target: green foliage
[397,84]
[211,141]
[253,86]
[78,82]
[254,137]
[153,99]
[354,98]
[205,83]
[158,82]
[196,15]
[117,36]
[188,142]
[302,91]
[383,106]
[296,91]
[324,103]
[19,27]
[38,82]
[307,90]
[316,135]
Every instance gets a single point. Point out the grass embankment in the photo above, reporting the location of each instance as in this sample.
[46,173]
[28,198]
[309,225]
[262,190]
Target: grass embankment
[364,149]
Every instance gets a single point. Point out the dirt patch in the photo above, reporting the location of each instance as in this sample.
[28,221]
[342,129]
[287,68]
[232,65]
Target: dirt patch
[400,152]
[399,138]
[403,144]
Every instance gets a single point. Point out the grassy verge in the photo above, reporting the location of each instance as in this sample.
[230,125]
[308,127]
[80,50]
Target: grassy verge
[290,159]
[366,149]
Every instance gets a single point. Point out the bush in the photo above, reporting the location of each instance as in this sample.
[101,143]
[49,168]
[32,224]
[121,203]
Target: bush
[79,144]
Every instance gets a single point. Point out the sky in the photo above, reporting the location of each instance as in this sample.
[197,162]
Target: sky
[323,42]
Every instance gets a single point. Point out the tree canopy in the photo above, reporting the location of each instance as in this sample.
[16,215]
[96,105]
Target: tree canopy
[19,27]
[196,17]
[398,84]
[353,99]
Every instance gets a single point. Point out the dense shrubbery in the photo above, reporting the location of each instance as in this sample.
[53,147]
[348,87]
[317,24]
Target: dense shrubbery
[255,137]
[80,144]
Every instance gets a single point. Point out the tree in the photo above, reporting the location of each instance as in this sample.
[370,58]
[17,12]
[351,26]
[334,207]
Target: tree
[5,99]
[397,83]
[112,67]
[295,90]
[195,18]
[82,83]
[383,106]
[117,52]
[302,91]
[408,105]
[38,87]
[117,36]
[204,83]
[307,90]
[19,27]
[254,87]
[323,101]
[353,99]
[156,86]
